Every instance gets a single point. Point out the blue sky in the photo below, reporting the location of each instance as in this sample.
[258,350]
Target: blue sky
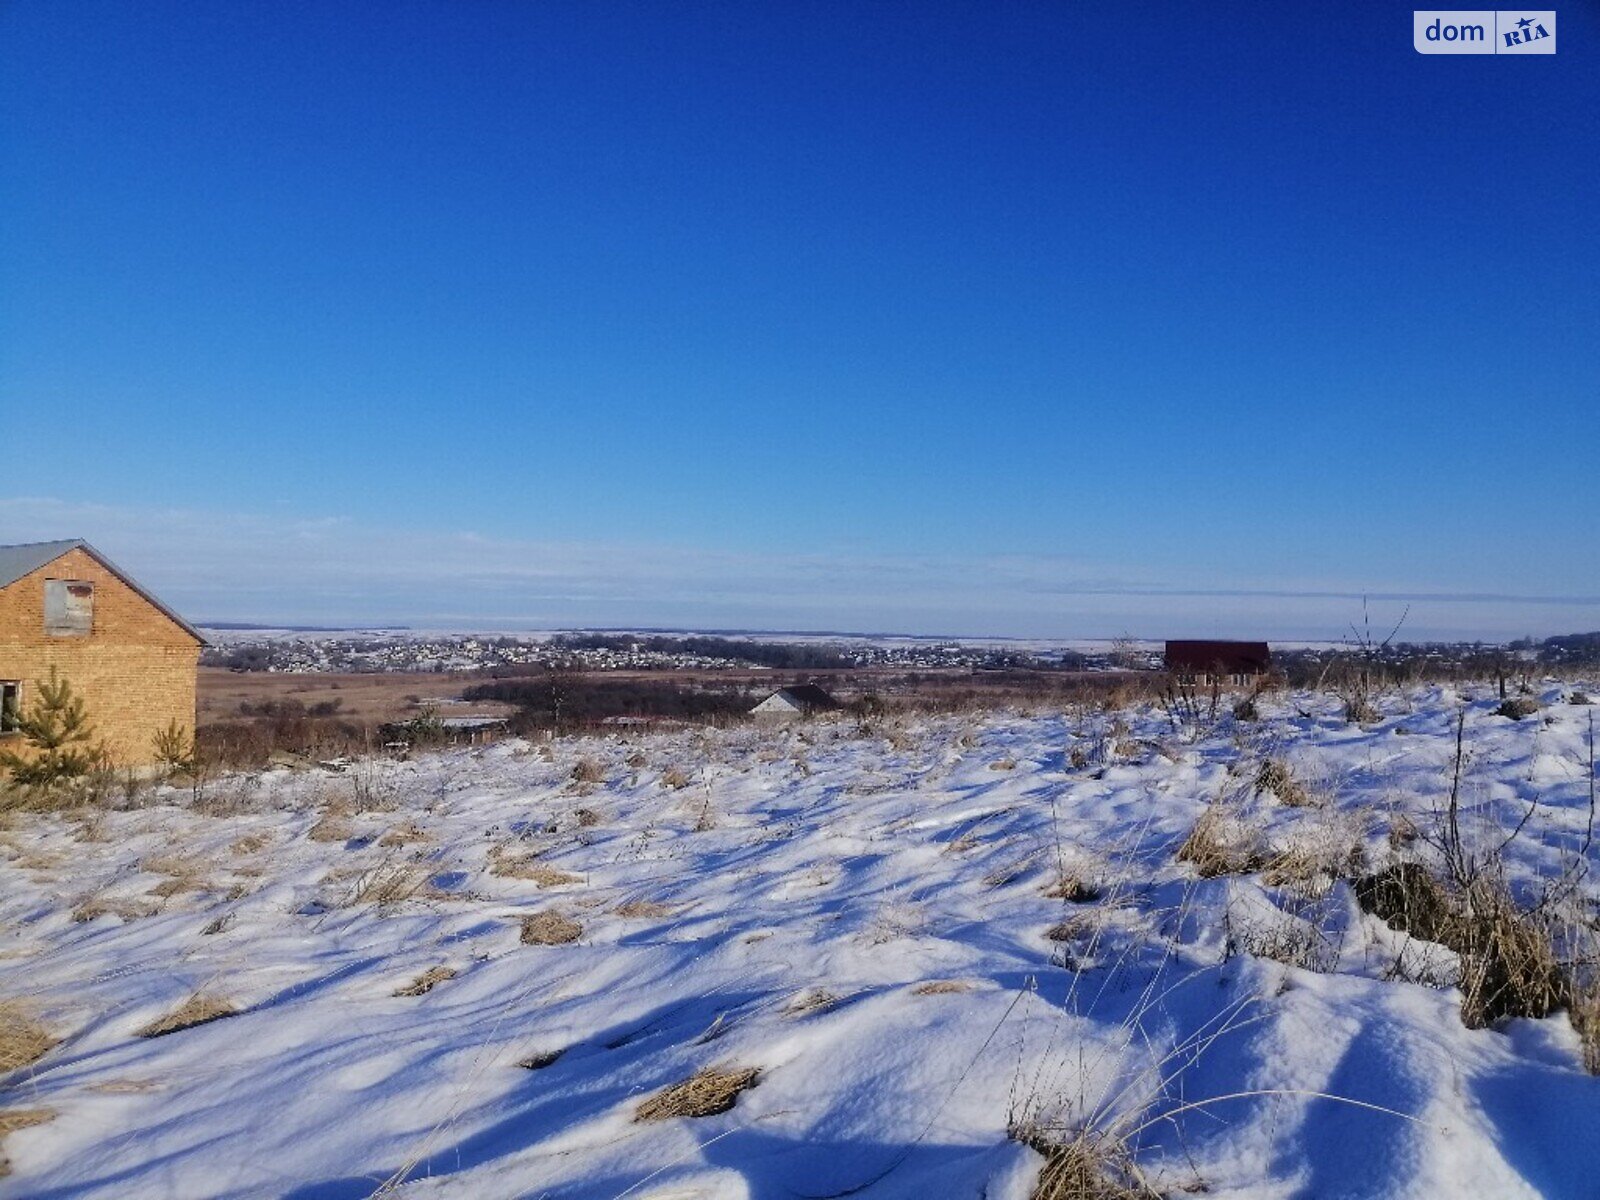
[1041,319]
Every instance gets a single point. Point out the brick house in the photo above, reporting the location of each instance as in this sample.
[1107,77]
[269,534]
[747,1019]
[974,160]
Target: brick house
[132,659]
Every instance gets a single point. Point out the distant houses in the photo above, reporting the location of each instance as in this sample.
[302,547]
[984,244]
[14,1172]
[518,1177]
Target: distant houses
[64,607]
[791,703]
[1237,663]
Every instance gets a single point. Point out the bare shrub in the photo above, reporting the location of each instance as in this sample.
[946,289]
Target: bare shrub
[705,1093]
[198,1009]
[549,928]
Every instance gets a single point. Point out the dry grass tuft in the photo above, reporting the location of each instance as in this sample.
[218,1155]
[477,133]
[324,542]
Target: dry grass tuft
[1221,844]
[1085,1167]
[427,981]
[588,818]
[1509,964]
[23,1040]
[13,1119]
[806,1003]
[637,759]
[704,1094]
[1275,777]
[251,842]
[1004,764]
[98,906]
[389,884]
[675,778]
[178,885]
[531,869]
[1074,889]
[331,828]
[198,1009]
[1008,872]
[645,909]
[588,770]
[941,987]
[404,835]
[549,928]
[541,1060]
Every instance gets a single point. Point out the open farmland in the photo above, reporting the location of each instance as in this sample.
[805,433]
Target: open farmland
[956,956]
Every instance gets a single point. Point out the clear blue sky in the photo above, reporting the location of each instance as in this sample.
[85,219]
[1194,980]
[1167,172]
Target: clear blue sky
[1013,318]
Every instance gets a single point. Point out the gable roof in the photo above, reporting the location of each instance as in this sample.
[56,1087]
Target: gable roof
[25,559]
[1233,657]
[808,694]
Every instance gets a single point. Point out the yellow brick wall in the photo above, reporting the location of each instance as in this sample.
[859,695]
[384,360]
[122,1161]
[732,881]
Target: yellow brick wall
[135,670]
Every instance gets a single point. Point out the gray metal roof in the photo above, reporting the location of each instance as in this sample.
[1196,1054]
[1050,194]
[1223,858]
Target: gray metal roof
[17,561]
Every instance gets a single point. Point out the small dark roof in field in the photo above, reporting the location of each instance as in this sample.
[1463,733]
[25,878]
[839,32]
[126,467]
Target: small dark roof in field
[810,694]
[1211,655]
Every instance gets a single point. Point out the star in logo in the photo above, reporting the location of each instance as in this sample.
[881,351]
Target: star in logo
[1524,23]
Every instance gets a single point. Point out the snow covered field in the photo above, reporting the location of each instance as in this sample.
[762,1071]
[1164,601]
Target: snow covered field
[855,927]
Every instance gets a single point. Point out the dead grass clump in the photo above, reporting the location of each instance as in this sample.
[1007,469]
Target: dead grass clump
[549,928]
[1509,966]
[177,886]
[810,1002]
[644,909]
[23,1040]
[331,827]
[1008,872]
[1004,764]
[1275,777]
[1221,844]
[404,835]
[588,770]
[1072,929]
[1407,897]
[251,842]
[96,907]
[1518,707]
[176,865]
[531,869]
[675,778]
[198,1009]
[941,987]
[13,1119]
[587,818]
[427,981]
[637,759]
[541,1060]
[704,1094]
[1086,1167]
[390,884]
[1074,889]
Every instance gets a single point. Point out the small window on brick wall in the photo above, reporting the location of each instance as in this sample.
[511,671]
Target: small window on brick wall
[68,607]
[10,705]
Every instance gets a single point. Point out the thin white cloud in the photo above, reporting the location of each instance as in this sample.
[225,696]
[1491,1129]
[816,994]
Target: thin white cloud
[244,566]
